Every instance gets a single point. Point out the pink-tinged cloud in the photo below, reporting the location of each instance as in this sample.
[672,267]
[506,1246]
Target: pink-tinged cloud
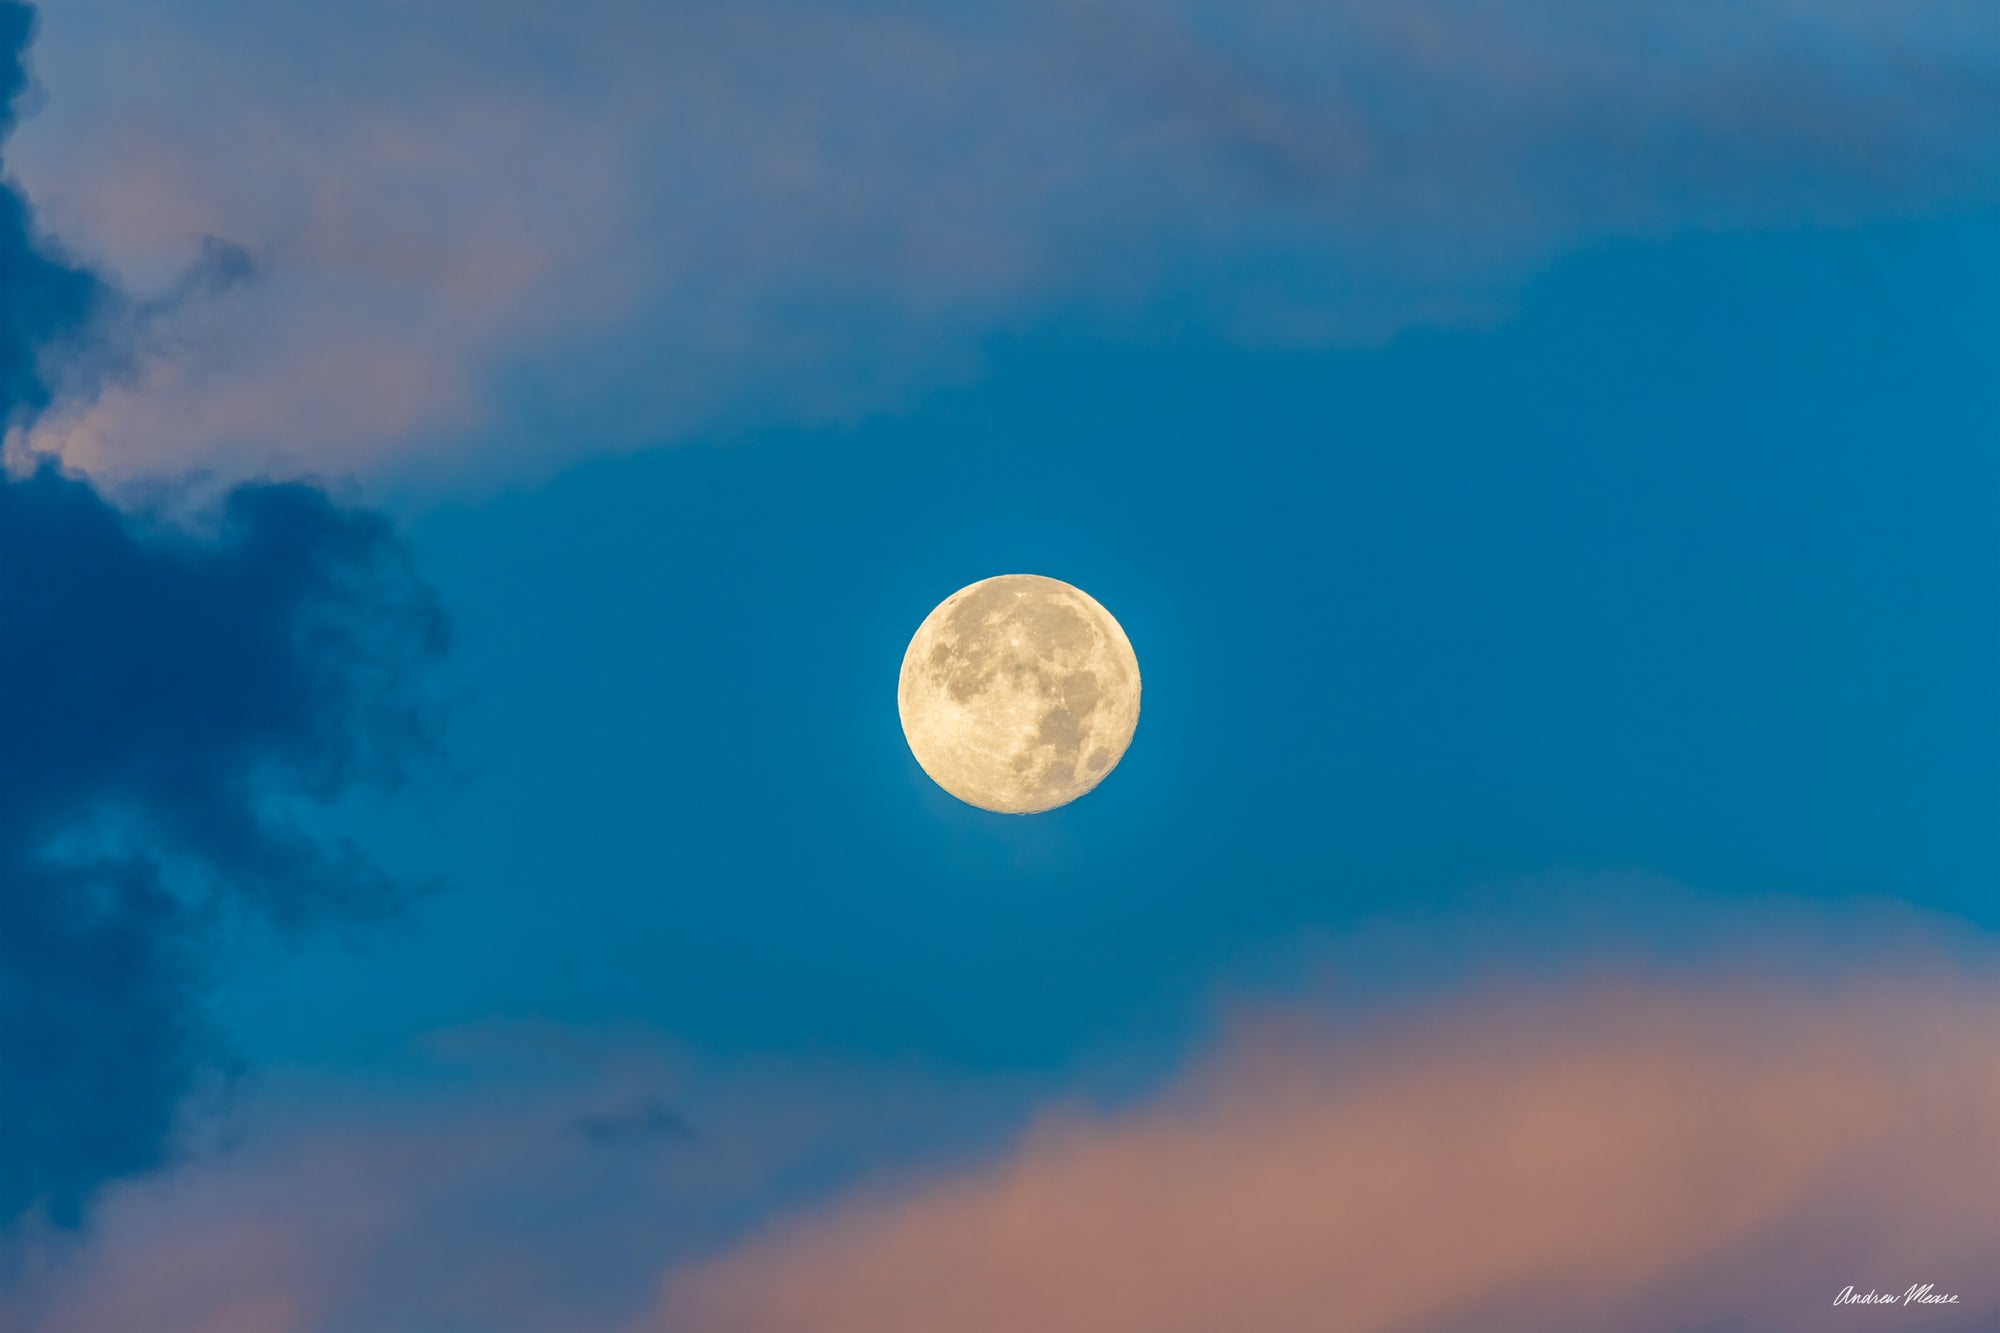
[1721,1144]
[521,1178]
[493,238]
[1609,1156]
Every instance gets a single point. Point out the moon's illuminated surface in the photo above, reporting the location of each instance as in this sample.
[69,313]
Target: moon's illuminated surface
[1019,694]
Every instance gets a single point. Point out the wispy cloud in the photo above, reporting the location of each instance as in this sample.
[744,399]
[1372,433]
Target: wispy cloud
[490,243]
[1631,1156]
[1717,1142]
[462,1194]
[648,1120]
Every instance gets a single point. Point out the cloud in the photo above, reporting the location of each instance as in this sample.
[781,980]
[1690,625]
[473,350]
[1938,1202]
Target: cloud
[1717,1142]
[648,1120]
[488,246]
[45,298]
[162,690]
[160,693]
[461,1194]
[1630,1155]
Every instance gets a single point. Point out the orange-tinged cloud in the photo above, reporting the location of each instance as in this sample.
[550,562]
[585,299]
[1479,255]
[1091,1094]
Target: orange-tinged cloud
[1615,1156]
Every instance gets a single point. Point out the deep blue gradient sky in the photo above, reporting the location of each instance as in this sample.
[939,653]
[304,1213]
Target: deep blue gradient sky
[1678,570]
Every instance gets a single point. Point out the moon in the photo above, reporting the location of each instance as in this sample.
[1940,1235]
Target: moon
[1019,694]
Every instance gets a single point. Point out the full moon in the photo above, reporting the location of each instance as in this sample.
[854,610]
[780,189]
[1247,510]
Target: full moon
[1019,694]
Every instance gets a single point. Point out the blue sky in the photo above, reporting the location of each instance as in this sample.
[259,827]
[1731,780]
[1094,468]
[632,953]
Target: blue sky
[1594,591]
[1545,462]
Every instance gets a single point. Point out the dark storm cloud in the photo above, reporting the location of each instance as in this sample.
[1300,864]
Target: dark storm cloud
[159,689]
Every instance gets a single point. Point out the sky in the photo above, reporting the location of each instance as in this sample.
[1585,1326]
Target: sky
[472,474]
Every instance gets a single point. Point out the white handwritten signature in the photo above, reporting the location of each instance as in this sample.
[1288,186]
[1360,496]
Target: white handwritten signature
[1924,1295]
